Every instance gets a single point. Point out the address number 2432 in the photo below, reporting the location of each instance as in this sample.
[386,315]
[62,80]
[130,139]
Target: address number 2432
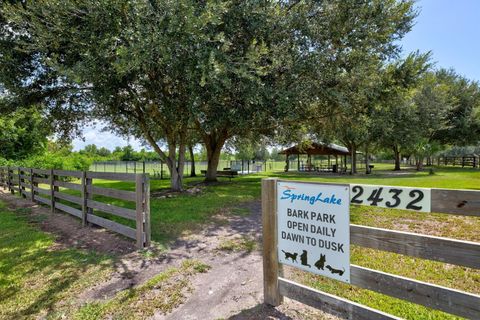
[417,199]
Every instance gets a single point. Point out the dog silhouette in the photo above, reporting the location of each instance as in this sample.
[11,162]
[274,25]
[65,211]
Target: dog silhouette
[321,262]
[304,259]
[333,271]
[292,256]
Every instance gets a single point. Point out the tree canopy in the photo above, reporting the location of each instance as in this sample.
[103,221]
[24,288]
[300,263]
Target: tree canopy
[23,134]
[160,69]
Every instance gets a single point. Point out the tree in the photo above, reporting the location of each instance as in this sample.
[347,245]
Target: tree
[104,152]
[351,124]
[153,68]
[446,113]
[23,134]
[294,70]
[274,154]
[431,103]
[90,149]
[462,117]
[394,120]
[111,76]
[128,154]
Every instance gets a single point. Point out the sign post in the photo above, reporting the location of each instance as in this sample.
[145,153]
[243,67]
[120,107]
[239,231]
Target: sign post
[272,269]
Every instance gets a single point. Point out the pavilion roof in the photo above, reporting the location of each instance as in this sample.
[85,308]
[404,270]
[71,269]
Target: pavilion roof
[316,148]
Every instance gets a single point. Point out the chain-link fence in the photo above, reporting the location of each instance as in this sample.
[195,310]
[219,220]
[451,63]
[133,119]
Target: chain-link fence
[156,169]
[159,170]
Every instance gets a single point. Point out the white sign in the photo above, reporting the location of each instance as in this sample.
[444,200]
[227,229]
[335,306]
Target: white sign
[314,228]
[417,199]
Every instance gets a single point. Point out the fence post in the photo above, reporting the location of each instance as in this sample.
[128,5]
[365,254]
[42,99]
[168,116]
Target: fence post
[89,196]
[84,198]
[271,268]
[146,197]
[32,196]
[20,187]
[52,190]
[139,210]
[10,181]
[19,180]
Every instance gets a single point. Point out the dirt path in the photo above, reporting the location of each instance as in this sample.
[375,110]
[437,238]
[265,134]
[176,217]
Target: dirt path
[231,289]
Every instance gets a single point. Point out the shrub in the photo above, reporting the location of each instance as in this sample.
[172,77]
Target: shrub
[49,160]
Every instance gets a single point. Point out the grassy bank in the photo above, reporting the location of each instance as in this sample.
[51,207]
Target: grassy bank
[38,279]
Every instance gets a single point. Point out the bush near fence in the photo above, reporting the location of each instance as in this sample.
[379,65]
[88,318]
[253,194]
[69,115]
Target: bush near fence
[40,185]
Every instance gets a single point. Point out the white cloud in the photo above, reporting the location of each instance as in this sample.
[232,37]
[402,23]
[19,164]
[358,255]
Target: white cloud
[93,135]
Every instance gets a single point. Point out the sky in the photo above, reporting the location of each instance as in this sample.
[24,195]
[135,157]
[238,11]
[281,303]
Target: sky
[448,28]
[451,30]
[93,135]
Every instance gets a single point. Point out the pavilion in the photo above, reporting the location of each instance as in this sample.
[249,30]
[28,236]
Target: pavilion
[315,148]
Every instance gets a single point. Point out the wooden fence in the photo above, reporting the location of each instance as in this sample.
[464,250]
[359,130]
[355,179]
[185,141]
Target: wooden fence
[457,252]
[43,186]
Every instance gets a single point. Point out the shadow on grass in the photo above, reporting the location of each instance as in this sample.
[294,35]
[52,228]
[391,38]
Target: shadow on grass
[34,274]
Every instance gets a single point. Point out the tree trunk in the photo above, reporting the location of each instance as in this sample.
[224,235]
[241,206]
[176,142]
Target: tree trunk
[420,163]
[192,159]
[175,176]
[176,183]
[212,166]
[397,158]
[353,157]
[367,161]
[214,145]
[176,168]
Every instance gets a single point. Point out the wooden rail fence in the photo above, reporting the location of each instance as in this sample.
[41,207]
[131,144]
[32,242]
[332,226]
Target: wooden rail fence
[457,252]
[44,186]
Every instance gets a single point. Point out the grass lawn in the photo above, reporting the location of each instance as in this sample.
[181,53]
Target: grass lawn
[185,213]
[38,279]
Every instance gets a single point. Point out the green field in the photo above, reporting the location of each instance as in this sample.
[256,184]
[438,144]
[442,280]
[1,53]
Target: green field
[35,276]
[38,279]
[185,213]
